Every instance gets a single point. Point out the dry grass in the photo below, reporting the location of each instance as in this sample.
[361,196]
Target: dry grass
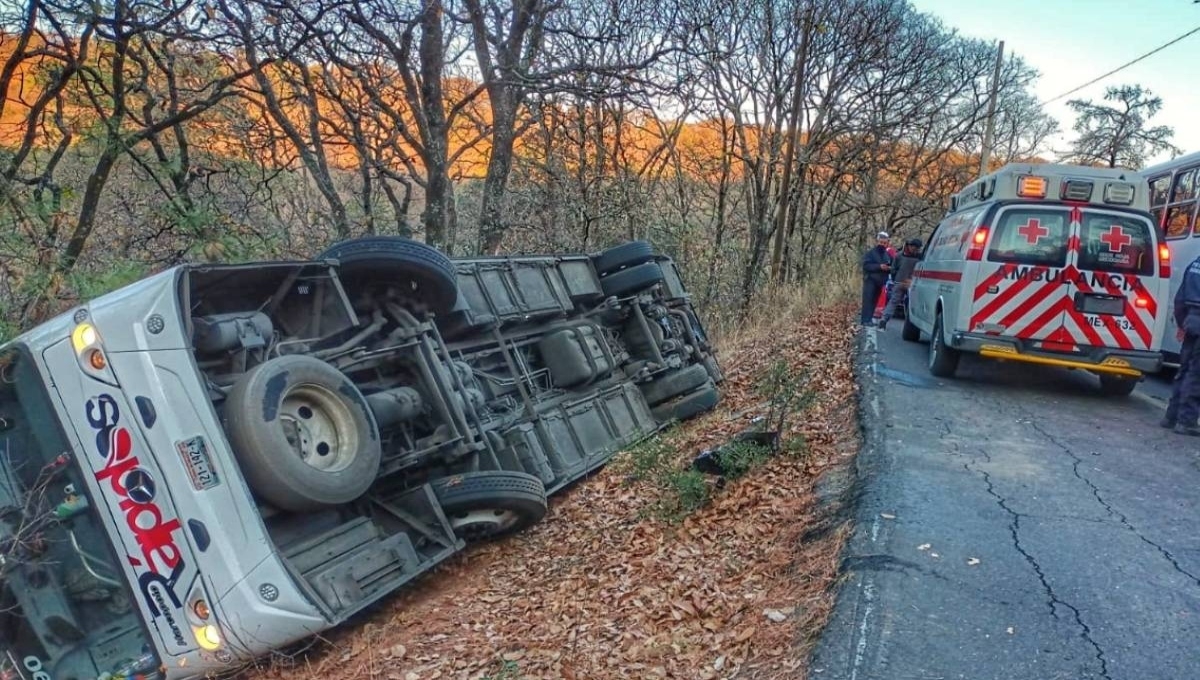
[779,306]
[603,588]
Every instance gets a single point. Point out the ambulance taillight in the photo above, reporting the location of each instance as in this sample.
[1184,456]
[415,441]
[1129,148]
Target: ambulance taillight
[1164,261]
[975,254]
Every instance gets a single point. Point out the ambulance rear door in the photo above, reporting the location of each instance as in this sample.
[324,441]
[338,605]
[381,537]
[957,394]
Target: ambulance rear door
[1118,288]
[1021,289]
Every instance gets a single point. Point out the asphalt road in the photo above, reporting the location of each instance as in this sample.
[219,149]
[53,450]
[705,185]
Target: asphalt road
[1014,524]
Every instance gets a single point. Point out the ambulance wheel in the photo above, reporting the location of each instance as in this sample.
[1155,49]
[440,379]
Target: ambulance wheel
[1116,385]
[943,360]
[909,332]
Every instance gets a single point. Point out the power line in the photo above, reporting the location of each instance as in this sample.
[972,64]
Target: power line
[1124,66]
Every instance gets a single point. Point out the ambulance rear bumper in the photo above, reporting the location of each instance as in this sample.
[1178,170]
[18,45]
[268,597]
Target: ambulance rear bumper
[1131,363]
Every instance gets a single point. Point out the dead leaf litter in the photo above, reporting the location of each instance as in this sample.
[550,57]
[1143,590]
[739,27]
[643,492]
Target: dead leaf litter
[604,589]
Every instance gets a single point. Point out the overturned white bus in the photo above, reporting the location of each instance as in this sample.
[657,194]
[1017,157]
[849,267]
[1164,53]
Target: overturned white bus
[217,461]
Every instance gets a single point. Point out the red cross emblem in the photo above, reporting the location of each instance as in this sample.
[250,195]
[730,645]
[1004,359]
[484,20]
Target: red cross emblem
[1033,231]
[1116,239]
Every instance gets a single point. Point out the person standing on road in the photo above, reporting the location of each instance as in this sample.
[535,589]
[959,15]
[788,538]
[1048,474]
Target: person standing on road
[876,264]
[1184,408]
[905,264]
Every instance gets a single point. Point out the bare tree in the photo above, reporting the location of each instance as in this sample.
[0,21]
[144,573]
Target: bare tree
[1119,135]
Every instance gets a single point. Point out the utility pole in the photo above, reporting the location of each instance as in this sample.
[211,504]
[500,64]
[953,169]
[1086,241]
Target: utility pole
[789,153]
[990,130]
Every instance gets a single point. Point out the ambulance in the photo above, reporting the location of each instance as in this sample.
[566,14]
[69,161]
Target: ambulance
[1056,265]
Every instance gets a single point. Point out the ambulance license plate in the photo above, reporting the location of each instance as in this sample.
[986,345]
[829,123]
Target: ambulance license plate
[1110,305]
[198,463]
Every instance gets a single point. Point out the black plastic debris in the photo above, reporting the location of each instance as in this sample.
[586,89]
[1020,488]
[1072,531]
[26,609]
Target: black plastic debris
[709,461]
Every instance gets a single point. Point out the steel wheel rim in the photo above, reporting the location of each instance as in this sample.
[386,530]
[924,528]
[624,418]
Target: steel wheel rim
[319,427]
[478,524]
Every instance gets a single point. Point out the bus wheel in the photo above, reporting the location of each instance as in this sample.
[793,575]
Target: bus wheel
[491,503]
[1116,385]
[302,433]
[625,255]
[422,273]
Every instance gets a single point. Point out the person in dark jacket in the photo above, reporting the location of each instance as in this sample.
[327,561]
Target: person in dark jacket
[1184,407]
[902,275]
[875,266]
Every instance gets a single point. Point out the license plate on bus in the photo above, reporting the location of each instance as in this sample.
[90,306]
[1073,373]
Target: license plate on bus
[198,463]
[1101,304]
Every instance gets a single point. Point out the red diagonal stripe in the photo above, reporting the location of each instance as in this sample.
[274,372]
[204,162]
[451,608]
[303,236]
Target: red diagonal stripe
[1004,296]
[1109,323]
[1139,326]
[1037,324]
[1090,333]
[994,278]
[1028,305]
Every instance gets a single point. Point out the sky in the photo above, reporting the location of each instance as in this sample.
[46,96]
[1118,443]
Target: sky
[1073,41]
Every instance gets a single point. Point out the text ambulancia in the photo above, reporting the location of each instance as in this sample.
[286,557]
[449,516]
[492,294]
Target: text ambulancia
[1047,264]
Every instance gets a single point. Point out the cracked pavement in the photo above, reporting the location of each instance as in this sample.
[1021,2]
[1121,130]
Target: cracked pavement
[1013,523]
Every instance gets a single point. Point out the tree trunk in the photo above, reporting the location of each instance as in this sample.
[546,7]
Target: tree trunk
[491,213]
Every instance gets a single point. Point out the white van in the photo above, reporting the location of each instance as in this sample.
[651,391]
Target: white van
[1048,264]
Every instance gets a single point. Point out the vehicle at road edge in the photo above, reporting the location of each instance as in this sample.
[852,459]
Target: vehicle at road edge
[219,460]
[1055,265]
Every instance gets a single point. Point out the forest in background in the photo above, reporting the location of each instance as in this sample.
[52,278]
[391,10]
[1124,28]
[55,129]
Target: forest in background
[761,143]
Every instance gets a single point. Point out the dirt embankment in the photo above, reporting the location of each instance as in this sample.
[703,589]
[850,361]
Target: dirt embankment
[605,587]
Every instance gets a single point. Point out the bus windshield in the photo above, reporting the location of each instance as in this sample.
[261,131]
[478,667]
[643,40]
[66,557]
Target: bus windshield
[66,610]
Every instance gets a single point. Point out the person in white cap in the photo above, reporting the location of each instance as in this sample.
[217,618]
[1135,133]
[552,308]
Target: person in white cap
[875,266]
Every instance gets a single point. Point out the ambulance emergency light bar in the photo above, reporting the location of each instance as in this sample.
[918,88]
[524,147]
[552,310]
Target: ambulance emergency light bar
[1075,184]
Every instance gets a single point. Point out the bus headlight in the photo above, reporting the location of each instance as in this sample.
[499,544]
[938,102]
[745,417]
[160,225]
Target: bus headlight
[83,337]
[208,637]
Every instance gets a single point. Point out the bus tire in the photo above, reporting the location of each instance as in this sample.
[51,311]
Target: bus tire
[622,256]
[675,383]
[490,503]
[422,272]
[302,433]
[633,280]
[688,406]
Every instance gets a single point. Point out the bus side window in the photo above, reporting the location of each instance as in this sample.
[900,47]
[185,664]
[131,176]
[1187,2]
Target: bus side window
[1158,190]
[1185,187]
[1179,220]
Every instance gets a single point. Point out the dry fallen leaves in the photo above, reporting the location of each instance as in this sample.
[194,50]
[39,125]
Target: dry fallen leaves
[600,589]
